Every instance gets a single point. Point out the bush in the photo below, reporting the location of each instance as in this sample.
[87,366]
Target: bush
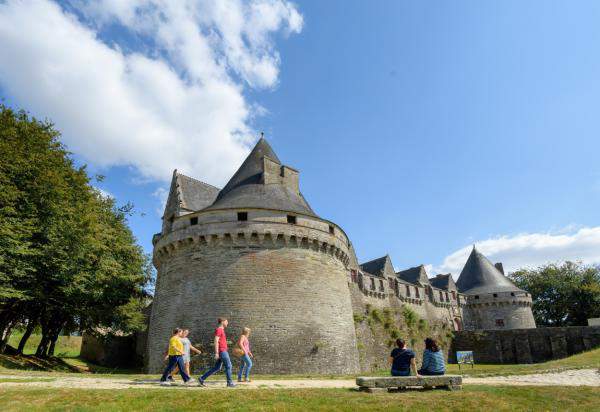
[410,317]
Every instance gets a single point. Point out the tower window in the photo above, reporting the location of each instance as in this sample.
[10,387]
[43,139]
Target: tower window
[495,295]
[512,293]
[291,219]
[500,323]
[476,296]
[242,216]
[193,221]
[331,229]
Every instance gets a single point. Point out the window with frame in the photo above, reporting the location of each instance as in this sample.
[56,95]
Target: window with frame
[242,216]
[291,219]
[417,293]
[372,284]
[408,291]
[499,323]
[381,287]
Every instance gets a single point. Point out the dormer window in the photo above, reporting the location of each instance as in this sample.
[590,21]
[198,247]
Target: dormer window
[291,219]
[193,221]
[242,216]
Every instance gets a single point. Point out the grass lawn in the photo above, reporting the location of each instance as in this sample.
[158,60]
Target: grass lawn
[66,346]
[31,365]
[471,398]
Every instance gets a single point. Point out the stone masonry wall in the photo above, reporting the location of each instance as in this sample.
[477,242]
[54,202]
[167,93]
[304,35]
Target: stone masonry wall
[290,291]
[380,318]
[525,345]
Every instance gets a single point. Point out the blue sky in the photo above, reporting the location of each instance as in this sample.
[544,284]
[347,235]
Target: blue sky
[420,128]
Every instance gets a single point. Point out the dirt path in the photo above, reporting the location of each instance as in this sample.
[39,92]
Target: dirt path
[582,377]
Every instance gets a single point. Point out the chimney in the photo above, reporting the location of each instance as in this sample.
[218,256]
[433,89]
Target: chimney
[499,267]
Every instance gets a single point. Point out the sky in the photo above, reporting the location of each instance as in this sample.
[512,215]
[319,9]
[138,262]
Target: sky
[421,128]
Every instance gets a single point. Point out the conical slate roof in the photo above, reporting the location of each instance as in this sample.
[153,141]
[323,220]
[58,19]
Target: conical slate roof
[480,276]
[247,190]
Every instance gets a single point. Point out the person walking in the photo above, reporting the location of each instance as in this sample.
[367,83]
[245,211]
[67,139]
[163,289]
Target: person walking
[221,355]
[246,358]
[402,359]
[433,359]
[187,348]
[175,358]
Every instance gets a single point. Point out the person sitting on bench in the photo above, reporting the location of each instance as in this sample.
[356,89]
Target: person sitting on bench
[402,359]
[433,359]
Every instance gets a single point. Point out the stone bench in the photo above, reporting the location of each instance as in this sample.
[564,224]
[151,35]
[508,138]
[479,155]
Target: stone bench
[380,384]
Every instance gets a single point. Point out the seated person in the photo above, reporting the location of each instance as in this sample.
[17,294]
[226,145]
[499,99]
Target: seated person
[433,359]
[402,359]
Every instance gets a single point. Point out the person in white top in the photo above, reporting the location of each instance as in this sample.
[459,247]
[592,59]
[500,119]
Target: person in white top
[187,346]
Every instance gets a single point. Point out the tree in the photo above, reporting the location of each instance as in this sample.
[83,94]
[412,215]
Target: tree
[67,257]
[563,295]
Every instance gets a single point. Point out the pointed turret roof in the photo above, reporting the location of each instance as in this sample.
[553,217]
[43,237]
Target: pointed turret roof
[247,187]
[480,276]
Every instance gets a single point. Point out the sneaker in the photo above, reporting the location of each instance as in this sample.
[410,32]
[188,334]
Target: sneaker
[165,383]
[188,382]
[201,382]
[231,385]
[239,380]
[170,378]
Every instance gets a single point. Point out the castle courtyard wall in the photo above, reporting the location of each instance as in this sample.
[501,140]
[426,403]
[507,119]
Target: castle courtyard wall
[525,345]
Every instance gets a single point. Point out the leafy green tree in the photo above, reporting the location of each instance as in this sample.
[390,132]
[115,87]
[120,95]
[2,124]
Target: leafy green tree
[563,295]
[68,259]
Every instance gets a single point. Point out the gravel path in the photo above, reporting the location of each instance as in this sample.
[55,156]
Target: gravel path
[581,377]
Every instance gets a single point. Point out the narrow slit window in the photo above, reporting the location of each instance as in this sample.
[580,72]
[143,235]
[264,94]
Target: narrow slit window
[331,229]
[242,216]
[193,221]
[291,219]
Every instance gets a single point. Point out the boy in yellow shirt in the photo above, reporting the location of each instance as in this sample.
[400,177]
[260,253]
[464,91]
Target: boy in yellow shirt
[175,358]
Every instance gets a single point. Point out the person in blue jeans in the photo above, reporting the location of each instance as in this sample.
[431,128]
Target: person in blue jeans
[402,359]
[246,358]
[433,359]
[221,355]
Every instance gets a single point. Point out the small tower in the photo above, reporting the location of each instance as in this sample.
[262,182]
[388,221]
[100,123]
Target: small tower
[493,301]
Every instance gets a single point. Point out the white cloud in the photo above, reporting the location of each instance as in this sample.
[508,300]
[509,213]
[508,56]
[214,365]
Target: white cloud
[178,102]
[104,193]
[531,249]
[162,195]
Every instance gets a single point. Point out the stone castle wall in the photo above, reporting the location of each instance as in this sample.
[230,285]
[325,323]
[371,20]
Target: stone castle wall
[499,311]
[374,339]
[525,345]
[288,283]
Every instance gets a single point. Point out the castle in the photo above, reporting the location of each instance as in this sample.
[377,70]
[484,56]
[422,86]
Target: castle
[256,253]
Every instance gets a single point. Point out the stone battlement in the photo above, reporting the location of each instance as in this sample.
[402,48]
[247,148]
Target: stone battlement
[250,234]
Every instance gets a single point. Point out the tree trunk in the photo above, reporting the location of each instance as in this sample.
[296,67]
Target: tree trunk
[30,327]
[42,347]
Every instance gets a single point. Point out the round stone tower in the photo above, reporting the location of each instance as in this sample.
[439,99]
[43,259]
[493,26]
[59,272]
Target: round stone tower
[255,253]
[493,301]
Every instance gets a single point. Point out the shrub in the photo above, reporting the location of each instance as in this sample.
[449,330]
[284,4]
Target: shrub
[410,317]
[376,316]
[358,318]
